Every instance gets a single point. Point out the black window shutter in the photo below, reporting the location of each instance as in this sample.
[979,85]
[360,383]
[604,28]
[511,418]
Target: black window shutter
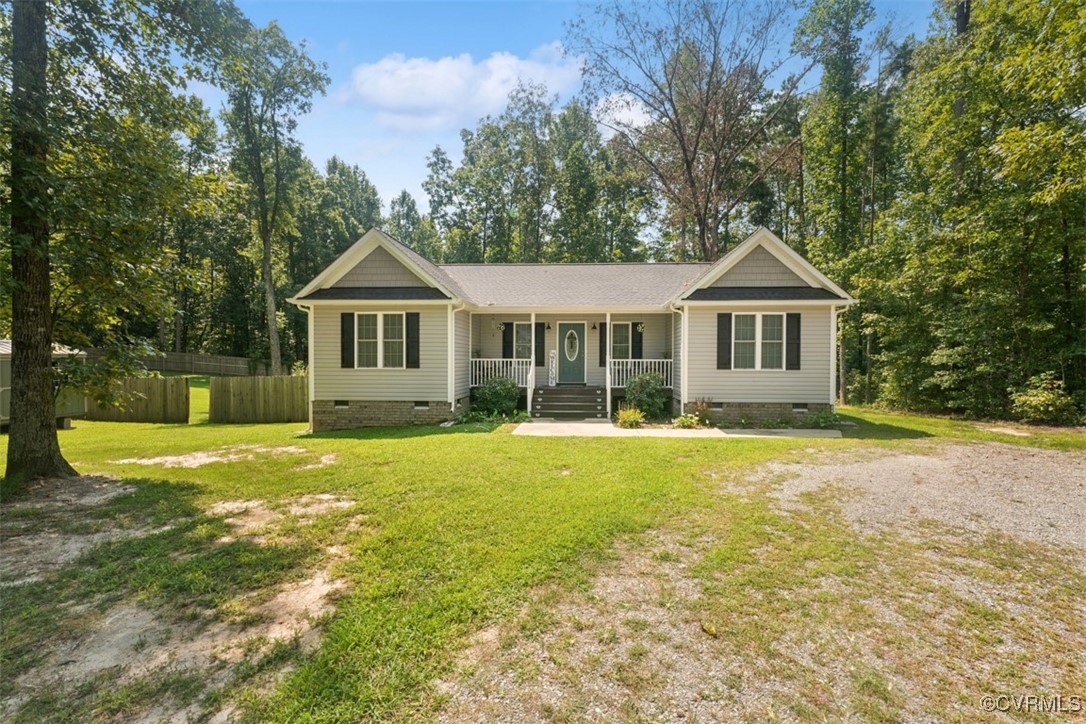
[603,344]
[507,340]
[724,341]
[637,341]
[792,332]
[412,332]
[346,339]
[540,344]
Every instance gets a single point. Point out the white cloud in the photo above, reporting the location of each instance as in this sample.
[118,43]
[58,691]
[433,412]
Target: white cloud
[415,94]
[620,110]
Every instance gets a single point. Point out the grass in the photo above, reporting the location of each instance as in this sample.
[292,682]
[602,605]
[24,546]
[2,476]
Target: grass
[451,529]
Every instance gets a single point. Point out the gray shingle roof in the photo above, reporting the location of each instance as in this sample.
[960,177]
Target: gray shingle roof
[572,285]
[376,293]
[760,294]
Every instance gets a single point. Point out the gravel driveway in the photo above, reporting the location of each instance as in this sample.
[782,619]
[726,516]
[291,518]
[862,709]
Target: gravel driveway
[1037,495]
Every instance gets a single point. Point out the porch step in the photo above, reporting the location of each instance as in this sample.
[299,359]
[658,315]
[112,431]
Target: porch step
[569,403]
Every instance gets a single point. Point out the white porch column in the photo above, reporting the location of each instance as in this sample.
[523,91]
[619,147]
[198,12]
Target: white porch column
[531,370]
[607,357]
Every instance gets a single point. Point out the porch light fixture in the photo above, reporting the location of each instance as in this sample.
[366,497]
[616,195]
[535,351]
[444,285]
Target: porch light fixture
[548,325]
[593,325]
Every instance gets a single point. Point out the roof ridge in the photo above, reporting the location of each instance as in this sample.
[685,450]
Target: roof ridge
[576,263]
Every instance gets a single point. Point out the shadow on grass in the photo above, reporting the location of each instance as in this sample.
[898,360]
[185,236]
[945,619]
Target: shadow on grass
[867,430]
[168,552]
[404,433]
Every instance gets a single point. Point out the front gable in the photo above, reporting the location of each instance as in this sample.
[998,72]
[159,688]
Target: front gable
[759,268]
[376,267]
[379,269]
[763,262]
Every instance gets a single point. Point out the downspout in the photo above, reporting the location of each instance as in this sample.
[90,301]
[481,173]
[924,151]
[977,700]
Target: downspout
[310,369]
[681,311]
[835,314]
[452,354]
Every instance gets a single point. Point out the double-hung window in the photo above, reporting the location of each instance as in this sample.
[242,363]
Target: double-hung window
[522,340]
[381,340]
[758,342]
[620,340]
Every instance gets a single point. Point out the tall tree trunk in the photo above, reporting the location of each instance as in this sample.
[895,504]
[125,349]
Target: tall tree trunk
[33,447]
[269,299]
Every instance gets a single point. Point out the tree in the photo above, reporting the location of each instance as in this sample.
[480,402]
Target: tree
[271,84]
[87,77]
[683,81]
[356,199]
[33,448]
[403,218]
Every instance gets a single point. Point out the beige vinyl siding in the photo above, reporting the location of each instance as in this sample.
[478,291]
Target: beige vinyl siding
[759,268]
[462,354]
[487,339]
[380,269]
[428,382]
[810,383]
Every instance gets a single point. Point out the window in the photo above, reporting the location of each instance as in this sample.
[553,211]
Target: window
[744,343]
[393,345]
[381,340]
[772,342]
[620,340]
[367,340]
[522,340]
[758,342]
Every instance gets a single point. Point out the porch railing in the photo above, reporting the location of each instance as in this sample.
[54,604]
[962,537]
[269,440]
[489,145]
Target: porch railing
[623,370]
[518,370]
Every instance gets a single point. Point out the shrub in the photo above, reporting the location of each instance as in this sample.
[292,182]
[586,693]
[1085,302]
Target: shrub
[1043,399]
[701,408]
[648,394]
[497,396]
[821,420]
[630,417]
[776,423]
[473,416]
[687,421]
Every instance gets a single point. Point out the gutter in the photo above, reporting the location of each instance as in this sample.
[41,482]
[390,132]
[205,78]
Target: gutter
[682,312]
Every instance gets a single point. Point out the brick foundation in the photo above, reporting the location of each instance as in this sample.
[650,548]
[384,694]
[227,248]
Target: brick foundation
[735,412]
[326,416]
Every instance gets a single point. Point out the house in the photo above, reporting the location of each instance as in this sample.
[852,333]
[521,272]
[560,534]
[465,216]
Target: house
[396,339]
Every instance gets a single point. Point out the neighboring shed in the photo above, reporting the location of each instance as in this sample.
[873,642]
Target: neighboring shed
[69,404]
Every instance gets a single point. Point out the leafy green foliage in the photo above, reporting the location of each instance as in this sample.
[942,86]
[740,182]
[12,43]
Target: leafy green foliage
[647,393]
[1043,399]
[687,421]
[701,408]
[630,417]
[497,396]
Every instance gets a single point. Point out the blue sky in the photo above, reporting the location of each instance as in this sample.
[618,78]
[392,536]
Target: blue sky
[406,76]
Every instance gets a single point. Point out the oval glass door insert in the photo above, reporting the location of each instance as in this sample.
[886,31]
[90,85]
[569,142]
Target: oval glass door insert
[573,345]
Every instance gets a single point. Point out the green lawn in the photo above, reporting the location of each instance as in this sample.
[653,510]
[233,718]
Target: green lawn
[450,529]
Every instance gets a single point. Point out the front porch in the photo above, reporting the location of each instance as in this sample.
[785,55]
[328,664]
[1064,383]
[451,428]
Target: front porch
[541,351]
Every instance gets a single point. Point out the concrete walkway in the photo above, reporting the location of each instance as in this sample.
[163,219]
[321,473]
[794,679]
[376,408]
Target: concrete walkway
[604,428]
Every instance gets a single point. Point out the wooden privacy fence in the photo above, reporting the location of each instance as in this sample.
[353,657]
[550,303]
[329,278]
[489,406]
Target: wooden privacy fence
[149,399]
[259,399]
[198,364]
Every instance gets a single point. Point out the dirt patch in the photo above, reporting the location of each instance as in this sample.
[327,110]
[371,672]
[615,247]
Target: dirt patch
[134,642]
[1037,495]
[324,462]
[253,517]
[127,641]
[37,534]
[233,454]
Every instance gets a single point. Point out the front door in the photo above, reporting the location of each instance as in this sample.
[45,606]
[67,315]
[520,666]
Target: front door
[571,350]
